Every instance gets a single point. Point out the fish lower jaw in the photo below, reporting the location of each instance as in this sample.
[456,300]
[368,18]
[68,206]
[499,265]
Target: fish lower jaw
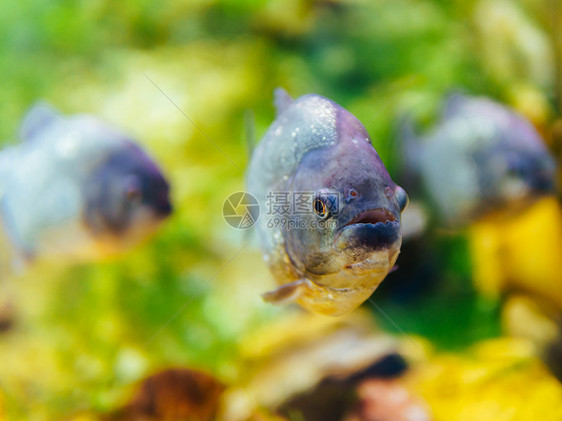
[380,262]
[369,266]
[365,276]
[331,301]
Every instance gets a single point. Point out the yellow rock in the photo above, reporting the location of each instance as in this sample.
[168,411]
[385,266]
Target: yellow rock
[523,253]
[526,317]
[498,380]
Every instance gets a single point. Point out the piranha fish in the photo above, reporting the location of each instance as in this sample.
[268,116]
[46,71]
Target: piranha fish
[330,213]
[480,159]
[76,188]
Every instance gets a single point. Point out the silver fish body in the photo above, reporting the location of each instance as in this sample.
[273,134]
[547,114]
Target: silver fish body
[78,188]
[339,233]
[480,158]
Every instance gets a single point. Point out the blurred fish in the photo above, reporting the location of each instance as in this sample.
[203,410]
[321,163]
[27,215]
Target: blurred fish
[77,188]
[330,229]
[481,158]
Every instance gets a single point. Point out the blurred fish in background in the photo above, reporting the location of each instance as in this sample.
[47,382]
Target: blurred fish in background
[77,189]
[480,160]
[518,260]
[488,173]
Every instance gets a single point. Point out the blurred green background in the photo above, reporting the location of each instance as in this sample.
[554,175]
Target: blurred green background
[82,334]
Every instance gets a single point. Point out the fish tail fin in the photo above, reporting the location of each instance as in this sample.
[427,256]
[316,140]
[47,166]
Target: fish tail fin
[282,100]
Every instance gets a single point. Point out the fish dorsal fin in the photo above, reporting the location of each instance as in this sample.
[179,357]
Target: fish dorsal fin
[39,116]
[454,103]
[282,100]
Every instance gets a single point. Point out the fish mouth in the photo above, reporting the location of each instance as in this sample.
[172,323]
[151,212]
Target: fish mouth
[373,217]
[370,231]
[163,209]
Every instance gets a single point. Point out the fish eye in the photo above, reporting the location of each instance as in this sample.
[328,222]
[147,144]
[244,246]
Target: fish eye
[353,192]
[132,188]
[402,198]
[515,171]
[132,194]
[320,208]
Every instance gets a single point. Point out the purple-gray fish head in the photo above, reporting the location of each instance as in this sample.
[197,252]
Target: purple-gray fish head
[126,197]
[354,222]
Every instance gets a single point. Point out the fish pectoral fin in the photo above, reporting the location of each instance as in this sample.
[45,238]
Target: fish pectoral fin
[285,293]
